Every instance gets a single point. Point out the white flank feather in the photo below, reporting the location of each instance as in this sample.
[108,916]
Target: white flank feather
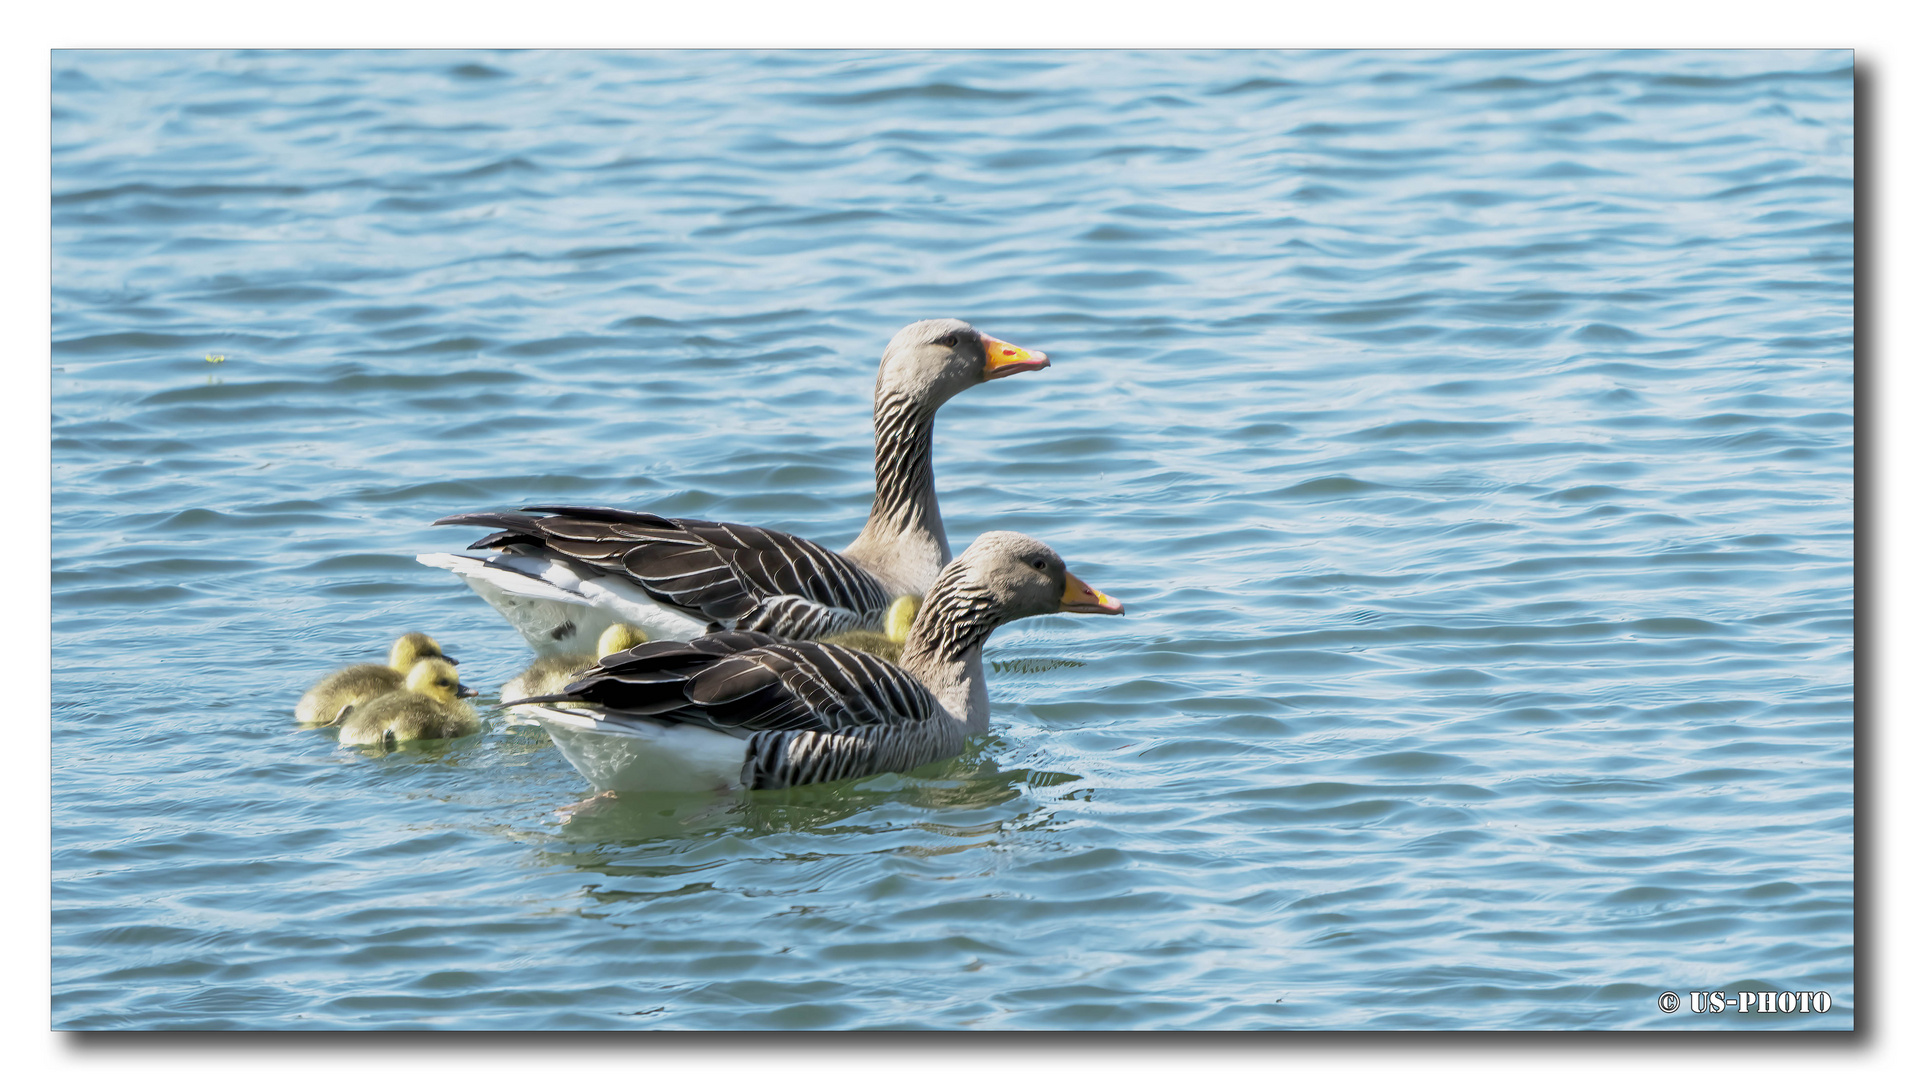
[556,610]
[630,754]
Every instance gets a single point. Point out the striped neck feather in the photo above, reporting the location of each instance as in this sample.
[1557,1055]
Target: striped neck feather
[903,496]
[958,614]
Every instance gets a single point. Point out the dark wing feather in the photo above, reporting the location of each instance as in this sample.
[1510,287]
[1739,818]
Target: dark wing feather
[740,681]
[653,677]
[807,685]
[839,714]
[651,654]
[738,575]
[810,711]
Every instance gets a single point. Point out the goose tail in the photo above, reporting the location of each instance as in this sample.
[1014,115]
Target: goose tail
[558,607]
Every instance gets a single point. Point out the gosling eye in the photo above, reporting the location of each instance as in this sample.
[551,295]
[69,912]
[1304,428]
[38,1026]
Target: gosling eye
[1038,564]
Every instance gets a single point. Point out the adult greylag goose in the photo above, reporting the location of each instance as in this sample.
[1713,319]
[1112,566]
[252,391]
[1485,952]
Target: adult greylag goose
[355,685]
[562,574]
[738,709]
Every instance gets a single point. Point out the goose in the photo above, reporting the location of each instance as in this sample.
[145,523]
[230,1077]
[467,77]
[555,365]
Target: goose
[549,674]
[885,644]
[738,709]
[360,683]
[561,574]
[428,707]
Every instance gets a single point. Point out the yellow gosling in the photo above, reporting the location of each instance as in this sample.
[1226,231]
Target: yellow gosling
[549,674]
[359,684]
[899,621]
[867,641]
[900,616]
[428,707]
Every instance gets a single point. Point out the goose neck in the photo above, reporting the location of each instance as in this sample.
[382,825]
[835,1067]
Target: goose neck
[904,540]
[956,617]
[958,682]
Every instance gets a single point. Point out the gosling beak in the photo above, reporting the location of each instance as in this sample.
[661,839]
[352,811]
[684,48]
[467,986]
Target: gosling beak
[465,691]
[1085,600]
[1004,358]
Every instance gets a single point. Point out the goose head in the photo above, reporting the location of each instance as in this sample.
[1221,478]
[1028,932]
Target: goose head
[933,359]
[1003,576]
[411,648]
[1023,577]
[435,678]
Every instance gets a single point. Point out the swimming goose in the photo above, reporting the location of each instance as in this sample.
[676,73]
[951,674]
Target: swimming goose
[737,709]
[549,674]
[428,707]
[884,644]
[359,683]
[563,576]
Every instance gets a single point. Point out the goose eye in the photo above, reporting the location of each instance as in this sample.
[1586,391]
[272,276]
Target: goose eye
[949,340]
[1038,564]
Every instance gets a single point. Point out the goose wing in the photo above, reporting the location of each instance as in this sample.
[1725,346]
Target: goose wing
[808,686]
[742,681]
[807,711]
[740,576]
[652,678]
[814,712]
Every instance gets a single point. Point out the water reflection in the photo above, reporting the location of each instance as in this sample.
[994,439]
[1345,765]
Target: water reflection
[972,782]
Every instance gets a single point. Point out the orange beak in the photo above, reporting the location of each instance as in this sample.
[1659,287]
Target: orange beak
[1004,358]
[1085,600]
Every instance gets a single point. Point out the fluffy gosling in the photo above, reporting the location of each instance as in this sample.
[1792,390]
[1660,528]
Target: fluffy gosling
[428,707]
[360,684]
[899,621]
[549,674]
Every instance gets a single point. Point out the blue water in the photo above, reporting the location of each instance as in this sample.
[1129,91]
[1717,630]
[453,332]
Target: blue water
[1469,435]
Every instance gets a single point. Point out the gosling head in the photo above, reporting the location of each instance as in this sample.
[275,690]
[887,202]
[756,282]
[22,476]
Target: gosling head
[435,678]
[411,648]
[619,637]
[900,616]
[933,359]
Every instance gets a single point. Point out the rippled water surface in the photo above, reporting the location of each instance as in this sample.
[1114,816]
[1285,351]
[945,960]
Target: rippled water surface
[1470,437]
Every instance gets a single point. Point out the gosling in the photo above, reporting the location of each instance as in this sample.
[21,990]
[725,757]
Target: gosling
[549,674]
[359,684]
[886,646]
[428,707]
